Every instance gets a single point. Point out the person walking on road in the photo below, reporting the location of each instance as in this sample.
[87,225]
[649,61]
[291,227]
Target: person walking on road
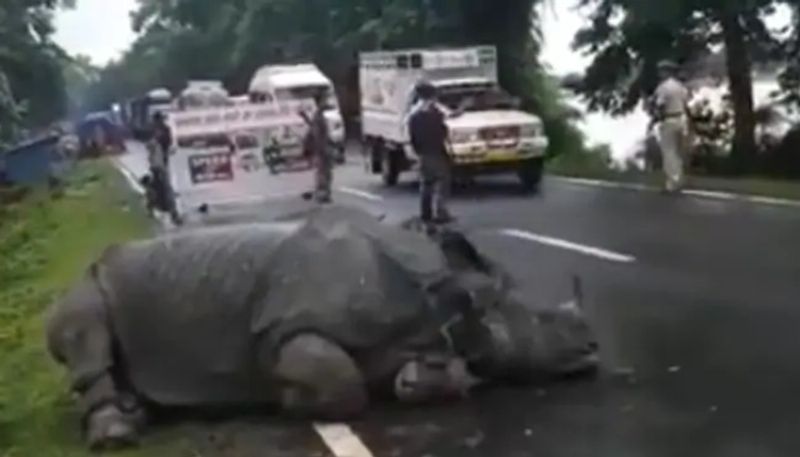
[429,136]
[159,148]
[671,102]
[318,140]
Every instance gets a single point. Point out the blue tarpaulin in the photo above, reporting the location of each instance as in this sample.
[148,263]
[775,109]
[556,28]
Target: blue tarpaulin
[103,123]
[33,162]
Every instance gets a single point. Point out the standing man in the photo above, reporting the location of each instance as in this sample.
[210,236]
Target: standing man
[671,107]
[429,136]
[318,140]
[159,148]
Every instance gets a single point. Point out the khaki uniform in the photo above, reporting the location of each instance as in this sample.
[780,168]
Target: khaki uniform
[672,98]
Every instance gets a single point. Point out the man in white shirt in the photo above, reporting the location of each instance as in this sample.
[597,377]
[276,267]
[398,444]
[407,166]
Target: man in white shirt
[671,99]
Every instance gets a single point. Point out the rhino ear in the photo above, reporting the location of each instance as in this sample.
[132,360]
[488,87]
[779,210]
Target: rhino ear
[576,304]
[577,290]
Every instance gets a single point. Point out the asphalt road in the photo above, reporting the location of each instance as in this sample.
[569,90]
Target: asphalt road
[696,303]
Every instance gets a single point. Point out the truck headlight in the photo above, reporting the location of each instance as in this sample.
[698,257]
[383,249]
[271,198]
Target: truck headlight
[463,136]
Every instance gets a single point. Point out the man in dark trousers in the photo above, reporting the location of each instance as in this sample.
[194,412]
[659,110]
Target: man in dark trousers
[429,137]
[159,148]
[318,141]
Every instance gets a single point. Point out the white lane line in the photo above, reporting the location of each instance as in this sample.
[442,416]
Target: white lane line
[699,193]
[569,245]
[711,194]
[607,184]
[774,201]
[341,440]
[132,179]
[361,193]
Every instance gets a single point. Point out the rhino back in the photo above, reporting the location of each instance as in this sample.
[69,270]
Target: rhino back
[181,306]
[359,283]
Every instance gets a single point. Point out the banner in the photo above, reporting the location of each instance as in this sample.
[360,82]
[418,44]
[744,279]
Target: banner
[205,168]
[229,119]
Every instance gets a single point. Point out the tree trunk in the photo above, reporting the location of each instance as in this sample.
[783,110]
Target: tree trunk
[739,66]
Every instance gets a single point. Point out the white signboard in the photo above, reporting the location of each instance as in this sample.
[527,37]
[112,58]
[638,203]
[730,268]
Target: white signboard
[227,174]
[229,119]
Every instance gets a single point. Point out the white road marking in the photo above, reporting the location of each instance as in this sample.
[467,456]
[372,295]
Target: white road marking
[341,440]
[774,201]
[361,193]
[711,194]
[700,193]
[569,245]
[607,184]
[132,179]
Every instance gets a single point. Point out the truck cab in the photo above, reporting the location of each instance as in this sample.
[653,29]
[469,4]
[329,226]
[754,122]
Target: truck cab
[203,94]
[488,133]
[282,83]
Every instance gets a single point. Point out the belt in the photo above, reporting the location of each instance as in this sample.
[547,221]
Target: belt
[671,115]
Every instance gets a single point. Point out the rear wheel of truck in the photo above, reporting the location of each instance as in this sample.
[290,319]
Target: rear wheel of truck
[530,174]
[390,167]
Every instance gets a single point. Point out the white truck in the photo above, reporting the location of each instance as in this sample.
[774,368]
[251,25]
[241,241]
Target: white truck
[488,134]
[203,94]
[285,83]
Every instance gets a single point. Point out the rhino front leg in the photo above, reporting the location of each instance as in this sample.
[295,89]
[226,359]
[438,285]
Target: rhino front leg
[79,338]
[319,379]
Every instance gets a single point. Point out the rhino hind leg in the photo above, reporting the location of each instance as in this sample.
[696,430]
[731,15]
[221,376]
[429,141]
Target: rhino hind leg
[79,338]
[319,379]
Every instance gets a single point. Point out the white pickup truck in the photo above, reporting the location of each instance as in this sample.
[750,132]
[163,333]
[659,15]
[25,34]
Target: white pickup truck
[285,83]
[488,134]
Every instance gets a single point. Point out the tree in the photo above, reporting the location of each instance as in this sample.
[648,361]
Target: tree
[790,76]
[629,37]
[31,64]
[186,39]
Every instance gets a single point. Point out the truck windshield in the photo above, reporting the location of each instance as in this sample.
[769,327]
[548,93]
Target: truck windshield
[305,92]
[475,98]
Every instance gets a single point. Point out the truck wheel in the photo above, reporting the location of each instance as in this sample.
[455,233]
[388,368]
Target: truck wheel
[530,174]
[390,167]
[376,152]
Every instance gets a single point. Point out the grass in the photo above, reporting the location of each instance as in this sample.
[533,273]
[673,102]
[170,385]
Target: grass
[45,244]
[585,166]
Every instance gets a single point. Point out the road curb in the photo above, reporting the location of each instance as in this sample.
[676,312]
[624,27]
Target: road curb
[133,180]
[699,193]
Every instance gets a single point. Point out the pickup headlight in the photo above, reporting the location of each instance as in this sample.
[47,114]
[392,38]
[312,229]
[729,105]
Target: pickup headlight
[463,136]
[531,130]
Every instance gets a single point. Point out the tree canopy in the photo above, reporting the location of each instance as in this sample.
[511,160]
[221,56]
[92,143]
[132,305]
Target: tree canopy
[628,37]
[31,77]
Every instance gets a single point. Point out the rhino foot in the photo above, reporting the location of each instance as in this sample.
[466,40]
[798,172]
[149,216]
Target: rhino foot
[109,428]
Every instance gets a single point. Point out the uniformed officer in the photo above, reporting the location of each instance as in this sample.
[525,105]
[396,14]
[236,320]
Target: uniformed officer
[671,100]
[429,137]
[319,141]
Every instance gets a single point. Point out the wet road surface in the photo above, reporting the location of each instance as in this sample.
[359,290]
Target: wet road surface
[698,327]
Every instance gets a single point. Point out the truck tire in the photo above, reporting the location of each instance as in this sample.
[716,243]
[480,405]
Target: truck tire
[390,167]
[375,148]
[530,174]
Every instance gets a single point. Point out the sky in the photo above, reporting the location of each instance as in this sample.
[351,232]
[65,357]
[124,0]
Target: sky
[100,29]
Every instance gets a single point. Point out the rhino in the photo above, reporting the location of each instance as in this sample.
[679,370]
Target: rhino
[315,316]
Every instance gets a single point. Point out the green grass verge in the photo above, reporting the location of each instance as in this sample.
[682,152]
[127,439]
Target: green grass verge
[45,244]
[584,166]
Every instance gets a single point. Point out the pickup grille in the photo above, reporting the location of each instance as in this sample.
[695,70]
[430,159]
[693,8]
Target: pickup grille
[499,134]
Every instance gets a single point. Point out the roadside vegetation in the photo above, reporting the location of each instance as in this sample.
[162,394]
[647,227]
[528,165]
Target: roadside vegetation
[46,241]
[595,164]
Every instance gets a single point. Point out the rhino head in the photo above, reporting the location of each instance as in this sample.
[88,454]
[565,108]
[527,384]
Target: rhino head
[526,345]
[502,334]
